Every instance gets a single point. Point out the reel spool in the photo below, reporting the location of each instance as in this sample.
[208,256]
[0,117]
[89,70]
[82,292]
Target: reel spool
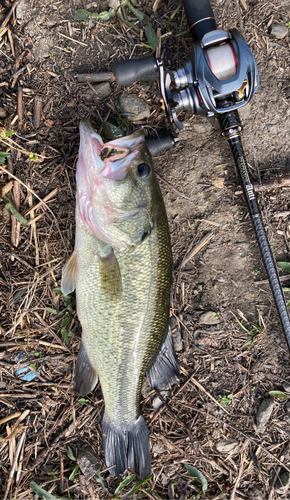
[222,60]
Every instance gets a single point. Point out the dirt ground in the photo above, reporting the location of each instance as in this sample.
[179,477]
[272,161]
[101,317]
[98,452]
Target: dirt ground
[227,368]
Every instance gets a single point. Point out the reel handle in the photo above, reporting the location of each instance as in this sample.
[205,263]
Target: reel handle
[200,18]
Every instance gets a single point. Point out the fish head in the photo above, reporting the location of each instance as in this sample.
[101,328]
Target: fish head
[117,191]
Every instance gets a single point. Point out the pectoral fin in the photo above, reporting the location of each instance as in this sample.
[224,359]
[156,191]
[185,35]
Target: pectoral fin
[69,274]
[165,370]
[110,276]
[86,377]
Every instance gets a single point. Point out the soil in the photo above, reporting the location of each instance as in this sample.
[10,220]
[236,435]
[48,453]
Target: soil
[227,367]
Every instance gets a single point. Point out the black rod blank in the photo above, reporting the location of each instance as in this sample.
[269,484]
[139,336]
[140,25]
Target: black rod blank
[230,126]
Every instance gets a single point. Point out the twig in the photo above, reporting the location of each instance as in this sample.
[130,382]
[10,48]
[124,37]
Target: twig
[171,187]
[233,492]
[195,250]
[73,40]
[14,465]
[37,111]
[33,230]
[9,417]
[11,42]
[15,230]
[19,106]
[45,199]
[23,262]
[16,75]
[7,18]
[19,468]
[96,77]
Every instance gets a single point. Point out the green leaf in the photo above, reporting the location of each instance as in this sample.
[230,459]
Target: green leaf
[3,156]
[32,157]
[151,36]
[278,394]
[172,16]
[124,483]
[66,320]
[33,366]
[83,401]
[44,494]
[111,132]
[82,15]
[14,211]
[137,487]
[104,16]
[285,289]
[193,472]
[171,489]
[64,335]
[72,476]
[58,291]
[101,481]
[285,266]
[137,12]
[7,133]
[50,310]
[70,454]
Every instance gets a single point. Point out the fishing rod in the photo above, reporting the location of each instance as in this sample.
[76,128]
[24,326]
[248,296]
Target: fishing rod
[219,77]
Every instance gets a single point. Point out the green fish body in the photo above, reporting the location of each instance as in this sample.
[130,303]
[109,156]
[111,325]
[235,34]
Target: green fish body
[121,269]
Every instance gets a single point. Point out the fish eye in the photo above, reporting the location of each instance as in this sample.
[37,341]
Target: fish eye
[143,170]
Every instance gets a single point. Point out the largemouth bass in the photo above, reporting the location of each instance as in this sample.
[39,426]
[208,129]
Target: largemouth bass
[121,269]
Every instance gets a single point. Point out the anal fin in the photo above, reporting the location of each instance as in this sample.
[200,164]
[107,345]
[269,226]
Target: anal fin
[69,274]
[165,369]
[86,377]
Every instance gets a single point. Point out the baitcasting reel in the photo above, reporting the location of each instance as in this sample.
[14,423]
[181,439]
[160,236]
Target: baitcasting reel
[221,66]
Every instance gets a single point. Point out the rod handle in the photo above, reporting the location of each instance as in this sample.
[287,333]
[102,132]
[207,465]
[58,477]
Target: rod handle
[200,17]
[132,70]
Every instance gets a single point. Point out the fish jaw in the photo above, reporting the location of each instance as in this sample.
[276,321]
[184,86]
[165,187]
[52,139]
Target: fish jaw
[99,163]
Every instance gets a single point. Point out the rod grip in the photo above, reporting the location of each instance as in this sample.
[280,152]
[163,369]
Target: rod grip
[132,70]
[200,17]
[157,145]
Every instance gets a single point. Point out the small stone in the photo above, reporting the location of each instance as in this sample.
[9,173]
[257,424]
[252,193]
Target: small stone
[286,385]
[101,90]
[136,108]
[3,113]
[177,340]
[282,483]
[158,448]
[89,462]
[272,128]
[278,31]
[264,413]
[156,403]
[227,446]
[209,318]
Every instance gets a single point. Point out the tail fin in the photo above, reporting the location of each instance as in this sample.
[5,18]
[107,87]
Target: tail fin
[127,446]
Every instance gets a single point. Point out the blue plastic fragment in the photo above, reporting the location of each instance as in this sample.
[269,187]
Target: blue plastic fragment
[29,376]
